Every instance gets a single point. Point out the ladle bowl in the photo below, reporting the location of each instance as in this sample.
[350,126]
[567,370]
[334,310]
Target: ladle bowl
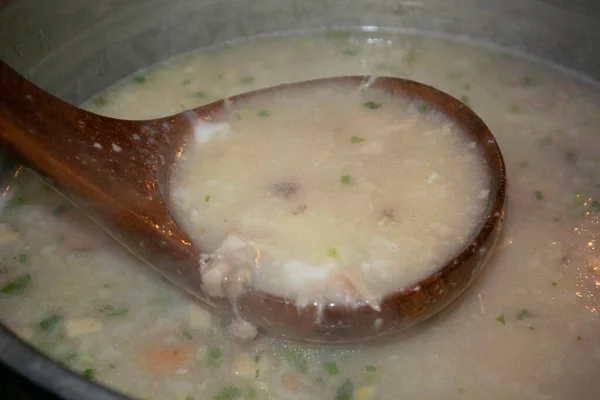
[118,172]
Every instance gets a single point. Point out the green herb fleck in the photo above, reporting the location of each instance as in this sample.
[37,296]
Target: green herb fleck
[579,338]
[17,286]
[371,105]
[464,99]
[112,366]
[16,201]
[118,313]
[186,82]
[331,368]
[346,179]
[461,390]
[514,109]
[106,285]
[423,108]
[89,374]
[100,101]
[60,239]
[60,209]
[213,356]
[247,80]
[296,358]
[263,113]
[356,139]
[189,397]
[501,319]
[539,195]
[332,252]
[523,314]
[371,374]
[554,284]
[186,334]
[346,391]
[140,78]
[530,81]
[349,52]
[410,58]
[235,393]
[49,323]
[22,258]
[206,198]
[200,95]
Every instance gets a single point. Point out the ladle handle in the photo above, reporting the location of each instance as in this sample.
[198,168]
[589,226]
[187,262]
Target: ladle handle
[112,169]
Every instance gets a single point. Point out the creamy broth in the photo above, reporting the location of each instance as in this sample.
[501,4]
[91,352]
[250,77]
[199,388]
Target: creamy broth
[329,194]
[526,329]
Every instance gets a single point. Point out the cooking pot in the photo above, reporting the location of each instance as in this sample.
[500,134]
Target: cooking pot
[75,48]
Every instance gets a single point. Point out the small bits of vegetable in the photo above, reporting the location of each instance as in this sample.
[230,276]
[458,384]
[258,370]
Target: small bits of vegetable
[371,105]
[346,179]
[140,79]
[89,374]
[501,319]
[523,314]
[356,139]
[263,113]
[49,323]
[331,367]
[346,391]
[17,286]
[332,252]
[538,195]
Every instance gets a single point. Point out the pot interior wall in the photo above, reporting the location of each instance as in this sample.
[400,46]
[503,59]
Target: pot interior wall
[75,48]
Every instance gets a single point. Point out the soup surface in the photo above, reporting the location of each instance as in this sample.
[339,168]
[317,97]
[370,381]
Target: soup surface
[526,329]
[329,194]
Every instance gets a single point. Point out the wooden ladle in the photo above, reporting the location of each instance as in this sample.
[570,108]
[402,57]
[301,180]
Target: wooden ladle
[118,172]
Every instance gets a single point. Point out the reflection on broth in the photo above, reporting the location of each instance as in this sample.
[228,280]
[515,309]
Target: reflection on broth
[526,329]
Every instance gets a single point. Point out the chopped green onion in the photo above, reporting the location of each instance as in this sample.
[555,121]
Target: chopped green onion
[22,258]
[356,139]
[100,101]
[89,374]
[539,195]
[554,284]
[530,81]
[423,109]
[206,198]
[370,368]
[16,201]
[332,252]
[186,334]
[523,314]
[49,323]
[263,113]
[60,209]
[579,338]
[461,390]
[371,105]
[186,82]
[213,356]
[17,286]
[296,358]
[501,319]
[349,52]
[139,78]
[118,313]
[346,391]
[246,80]
[514,109]
[346,179]
[331,368]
